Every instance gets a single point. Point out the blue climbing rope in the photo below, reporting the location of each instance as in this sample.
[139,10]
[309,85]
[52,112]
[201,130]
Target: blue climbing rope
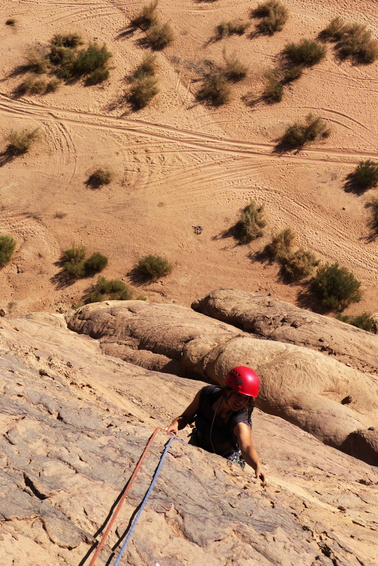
[146,497]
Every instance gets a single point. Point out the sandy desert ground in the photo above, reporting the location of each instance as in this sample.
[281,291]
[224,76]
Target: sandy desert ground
[178,163]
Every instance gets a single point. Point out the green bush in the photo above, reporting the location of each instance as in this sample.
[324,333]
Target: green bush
[95,263]
[353,41]
[336,287]
[297,135]
[90,59]
[62,59]
[373,204]
[113,289]
[66,40]
[147,17]
[334,31]
[20,142]
[7,247]
[75,264]
[234,69]
[147,68]
[281,244]
[154,267]
[306,53]
[101,176]
[215,89]
[73,261]
[251,223]
[364,321]
[293,74]
[273,91]
[365,176]
[274,16]
[225,29]
[298,265]
[159,36]
[98,76]
[142,91]
[356,43]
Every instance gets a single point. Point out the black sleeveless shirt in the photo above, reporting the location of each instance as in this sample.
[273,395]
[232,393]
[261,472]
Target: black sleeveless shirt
[222,440]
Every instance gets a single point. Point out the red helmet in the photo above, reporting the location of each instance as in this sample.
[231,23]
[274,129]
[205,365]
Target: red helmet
[243,380]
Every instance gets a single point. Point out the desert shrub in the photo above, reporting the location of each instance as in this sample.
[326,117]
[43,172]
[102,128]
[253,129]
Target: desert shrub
[373,204]
[62,59]
[364,321]
[147,68]
[234,69]
[35,84]
[95,263]
[298,265]
[94,297]
[356,42]
[99,177]
[154,267]
[159,36]
[10,22]
[113,289]
[316,128]
[142,92]
[215,89]
[20,142]
[98,76]
[280,244]
[90,59]
[292,73]
[36,61]
[336,287]
[273,91]
[334,31]
[297,135]
[225,29]
[52,85]
[73,261]
[352,41]
[305,53]
[147,17]
[365,176]
[7,247]
[251,223]
[66,40]
[274,16]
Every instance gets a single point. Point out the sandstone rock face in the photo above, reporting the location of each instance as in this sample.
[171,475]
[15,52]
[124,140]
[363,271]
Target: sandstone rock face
[74,423]
[317,393]
[270,318]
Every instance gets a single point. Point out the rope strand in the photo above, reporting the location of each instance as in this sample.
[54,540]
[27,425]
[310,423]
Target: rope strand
[123,497]
[146,497]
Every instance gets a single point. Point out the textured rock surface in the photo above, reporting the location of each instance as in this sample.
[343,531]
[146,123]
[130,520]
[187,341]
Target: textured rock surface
[270,318]
[74,423]
[316,392]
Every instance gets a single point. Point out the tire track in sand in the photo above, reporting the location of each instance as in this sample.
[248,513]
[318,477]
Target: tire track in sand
[204,174]
[170,134]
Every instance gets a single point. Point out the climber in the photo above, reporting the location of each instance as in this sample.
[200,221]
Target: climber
[222,419]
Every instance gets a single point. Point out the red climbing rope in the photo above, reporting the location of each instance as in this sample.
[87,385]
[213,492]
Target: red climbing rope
[123,497]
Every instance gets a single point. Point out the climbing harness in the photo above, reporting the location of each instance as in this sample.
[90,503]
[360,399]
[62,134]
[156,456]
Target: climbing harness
[126,491]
